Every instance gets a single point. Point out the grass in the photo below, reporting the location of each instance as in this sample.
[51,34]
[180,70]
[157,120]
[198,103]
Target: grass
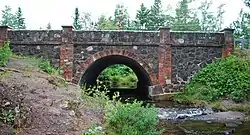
[38,62]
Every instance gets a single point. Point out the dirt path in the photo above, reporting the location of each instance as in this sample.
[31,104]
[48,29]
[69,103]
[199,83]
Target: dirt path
[43,108]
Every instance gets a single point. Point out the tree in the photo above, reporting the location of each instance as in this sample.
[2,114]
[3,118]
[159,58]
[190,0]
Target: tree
[19,20]
[207,19]
[85,21]
[219,17]
[156,16]
[242,25]
[142,17]
[8,18]
[48,26]
[185,19]
[121,17]
[77,24]
[106,23]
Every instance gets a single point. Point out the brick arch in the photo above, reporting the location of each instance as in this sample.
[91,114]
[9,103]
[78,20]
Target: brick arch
[84,66]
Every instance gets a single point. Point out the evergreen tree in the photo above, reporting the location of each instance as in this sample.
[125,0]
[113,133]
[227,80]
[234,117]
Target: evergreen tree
[185,19]
[8,18]
[156,16]
[48,26]
[142,17]
[121,17]
[19,20]
[77,24]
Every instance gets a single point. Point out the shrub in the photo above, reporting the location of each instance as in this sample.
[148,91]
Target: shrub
[131,119]
[46,66]
[5,53]
[228,77]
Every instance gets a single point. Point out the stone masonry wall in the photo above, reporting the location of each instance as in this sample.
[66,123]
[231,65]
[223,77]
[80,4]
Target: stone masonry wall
[192,51]
[174,57]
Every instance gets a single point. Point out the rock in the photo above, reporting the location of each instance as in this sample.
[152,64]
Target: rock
[72,113]
[230,125]
[209,122]
[54,111]
[223,117]
[65,105]
[181,116]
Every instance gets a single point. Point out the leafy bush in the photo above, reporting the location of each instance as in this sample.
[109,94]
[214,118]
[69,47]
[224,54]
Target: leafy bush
[120,118]
[94,130]
[131,119]
[5,53]
[223,78]
[46,66]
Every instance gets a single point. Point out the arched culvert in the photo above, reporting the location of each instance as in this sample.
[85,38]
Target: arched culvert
[91,74]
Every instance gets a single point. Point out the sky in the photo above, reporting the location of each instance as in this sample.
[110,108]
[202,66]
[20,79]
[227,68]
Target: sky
[38,13]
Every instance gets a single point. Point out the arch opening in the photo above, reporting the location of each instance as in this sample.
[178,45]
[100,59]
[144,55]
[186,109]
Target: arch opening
[118,76]
[91,74]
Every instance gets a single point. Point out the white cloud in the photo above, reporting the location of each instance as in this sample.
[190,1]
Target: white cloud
[59,12]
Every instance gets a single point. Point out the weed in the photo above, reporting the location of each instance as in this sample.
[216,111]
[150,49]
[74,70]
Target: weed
[5,54]
[27,74]
[46,66]
[94,130]
[7,116]
[121,118]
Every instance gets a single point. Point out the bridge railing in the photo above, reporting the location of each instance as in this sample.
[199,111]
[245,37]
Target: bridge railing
[242,44]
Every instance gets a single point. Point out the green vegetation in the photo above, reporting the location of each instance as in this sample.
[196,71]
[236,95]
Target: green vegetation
[120,76]
[14,20]
[131,119]
[120,118]
[7,116]
[5,54]
[45,66]
[224,78]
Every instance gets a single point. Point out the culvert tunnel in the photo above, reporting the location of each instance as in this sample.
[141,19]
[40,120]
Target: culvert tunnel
[89,77]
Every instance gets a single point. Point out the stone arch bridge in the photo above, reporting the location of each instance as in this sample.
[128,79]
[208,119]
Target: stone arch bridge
[159,58]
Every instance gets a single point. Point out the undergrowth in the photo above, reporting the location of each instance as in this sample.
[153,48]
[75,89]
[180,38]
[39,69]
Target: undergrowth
[224,78]
[120,118]
[5,54]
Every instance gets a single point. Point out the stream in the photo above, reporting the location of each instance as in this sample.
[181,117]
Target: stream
[183,120]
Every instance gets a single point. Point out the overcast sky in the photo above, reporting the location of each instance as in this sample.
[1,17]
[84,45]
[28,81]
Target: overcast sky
[59,12]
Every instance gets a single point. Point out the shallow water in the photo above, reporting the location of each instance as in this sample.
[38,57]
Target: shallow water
[193,125]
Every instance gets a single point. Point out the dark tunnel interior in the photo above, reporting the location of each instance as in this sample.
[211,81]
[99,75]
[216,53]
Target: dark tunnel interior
[141,92]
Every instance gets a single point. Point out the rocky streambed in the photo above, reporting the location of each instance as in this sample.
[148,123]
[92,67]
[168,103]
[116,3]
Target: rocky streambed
[202,121]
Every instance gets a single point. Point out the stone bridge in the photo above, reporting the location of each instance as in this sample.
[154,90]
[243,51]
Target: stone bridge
[159,58]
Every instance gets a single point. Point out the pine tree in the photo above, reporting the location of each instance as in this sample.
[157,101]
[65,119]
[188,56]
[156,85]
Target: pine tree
[48,26]
[77,24]
[8,19]
[142,16]
[19,20]
[121,17]
[156,16]
[185,19]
